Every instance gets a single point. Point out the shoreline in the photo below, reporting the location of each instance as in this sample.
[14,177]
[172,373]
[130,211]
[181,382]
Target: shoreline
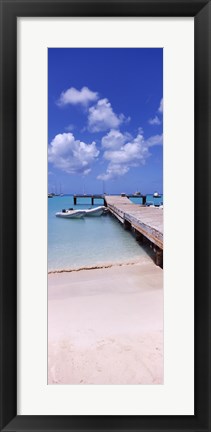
[105,326]
[142,260]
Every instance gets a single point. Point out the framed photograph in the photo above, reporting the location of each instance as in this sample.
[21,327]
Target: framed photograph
[105,198]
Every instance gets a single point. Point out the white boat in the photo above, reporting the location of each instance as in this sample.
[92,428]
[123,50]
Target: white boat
[71,214]
[97,211]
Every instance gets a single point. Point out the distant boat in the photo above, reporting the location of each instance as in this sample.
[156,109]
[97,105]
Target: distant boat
[97,211]
[60,193]
[50,195]
[123,194]
[156,195]
[137,193]
[71,214]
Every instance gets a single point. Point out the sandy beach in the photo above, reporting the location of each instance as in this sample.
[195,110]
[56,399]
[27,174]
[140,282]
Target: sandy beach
[105,326]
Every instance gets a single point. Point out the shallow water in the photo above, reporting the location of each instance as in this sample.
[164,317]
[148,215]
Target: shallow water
[93,241]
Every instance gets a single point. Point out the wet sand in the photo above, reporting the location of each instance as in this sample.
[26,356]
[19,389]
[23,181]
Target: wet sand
[105,326]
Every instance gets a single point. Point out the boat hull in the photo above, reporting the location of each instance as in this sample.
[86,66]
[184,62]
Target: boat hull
[98,211]
[71,214]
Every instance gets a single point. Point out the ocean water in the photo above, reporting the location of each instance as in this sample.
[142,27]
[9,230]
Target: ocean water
[150,199]
[93,241]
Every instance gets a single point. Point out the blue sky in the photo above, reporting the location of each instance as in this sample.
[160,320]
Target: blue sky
[105,120]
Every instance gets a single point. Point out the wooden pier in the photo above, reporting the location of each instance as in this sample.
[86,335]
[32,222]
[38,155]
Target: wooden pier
[146,221]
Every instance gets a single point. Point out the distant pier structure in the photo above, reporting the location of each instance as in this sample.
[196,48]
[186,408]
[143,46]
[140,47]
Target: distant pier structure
[102,197]
[91,197]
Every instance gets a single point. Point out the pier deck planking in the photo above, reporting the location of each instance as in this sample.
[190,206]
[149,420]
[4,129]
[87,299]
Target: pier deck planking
[146,220]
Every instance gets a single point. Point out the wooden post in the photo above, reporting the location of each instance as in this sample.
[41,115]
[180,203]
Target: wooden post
[126,225]
[75,199]
[144,199]
[139,237]
[145,240]
[92,200]
[159,257]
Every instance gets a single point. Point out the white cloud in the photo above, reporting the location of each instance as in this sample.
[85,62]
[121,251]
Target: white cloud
[71,155]
[160,109]
[140,131]
[73,96]
[102,117]
[155,121]
[113,170]
[131,154]
[70,127]
[155,140]
[115,139]
[120,160]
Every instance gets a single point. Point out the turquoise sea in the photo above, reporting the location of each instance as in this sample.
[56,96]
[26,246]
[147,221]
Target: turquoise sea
[76,243]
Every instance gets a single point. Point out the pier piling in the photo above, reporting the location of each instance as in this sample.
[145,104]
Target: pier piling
[127,225]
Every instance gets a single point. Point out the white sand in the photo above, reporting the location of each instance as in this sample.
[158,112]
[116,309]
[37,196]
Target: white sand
[105,326]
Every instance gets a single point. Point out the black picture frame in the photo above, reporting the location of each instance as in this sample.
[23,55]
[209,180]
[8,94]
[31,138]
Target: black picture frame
[201,11]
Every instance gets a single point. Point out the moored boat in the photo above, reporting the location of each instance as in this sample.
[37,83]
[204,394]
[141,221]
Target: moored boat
[97,211]
[71,214]
[156,195]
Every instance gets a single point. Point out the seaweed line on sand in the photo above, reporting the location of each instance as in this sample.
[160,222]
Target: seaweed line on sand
[98,266]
